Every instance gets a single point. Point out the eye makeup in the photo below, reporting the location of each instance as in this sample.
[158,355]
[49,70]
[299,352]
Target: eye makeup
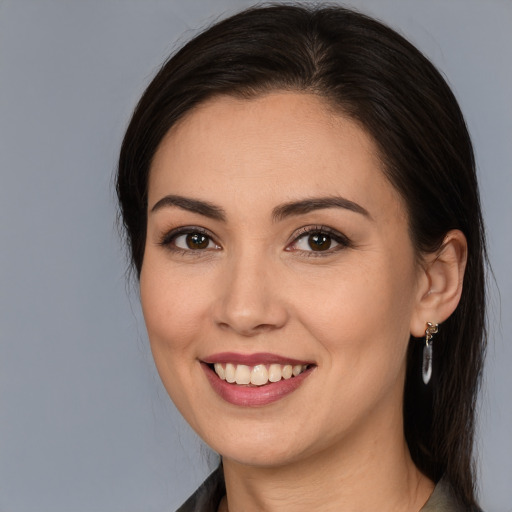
[319,240]
[189,239]
[312,241]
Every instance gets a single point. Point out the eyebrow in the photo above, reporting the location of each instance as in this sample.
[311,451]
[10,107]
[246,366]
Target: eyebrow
[279,213]
[316,203]
[192,205]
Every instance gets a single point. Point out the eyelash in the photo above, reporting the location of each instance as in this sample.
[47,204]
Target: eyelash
[168,240]
[342,241]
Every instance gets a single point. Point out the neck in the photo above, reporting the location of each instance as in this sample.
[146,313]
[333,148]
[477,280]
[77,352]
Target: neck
[369,470]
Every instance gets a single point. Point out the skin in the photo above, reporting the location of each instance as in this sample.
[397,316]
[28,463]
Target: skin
[335,443]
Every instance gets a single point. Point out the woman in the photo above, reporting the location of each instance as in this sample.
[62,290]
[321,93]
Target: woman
[300,200]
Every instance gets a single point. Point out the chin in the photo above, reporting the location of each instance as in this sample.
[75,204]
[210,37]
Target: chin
[263,446]
[260,456]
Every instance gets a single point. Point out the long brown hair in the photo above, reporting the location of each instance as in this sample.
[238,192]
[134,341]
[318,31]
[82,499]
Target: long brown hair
[370,73]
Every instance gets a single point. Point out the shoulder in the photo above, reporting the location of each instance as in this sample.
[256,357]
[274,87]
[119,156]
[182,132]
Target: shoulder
[443,499]
[208,495]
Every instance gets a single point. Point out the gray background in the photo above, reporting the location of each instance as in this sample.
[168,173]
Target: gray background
[85,424]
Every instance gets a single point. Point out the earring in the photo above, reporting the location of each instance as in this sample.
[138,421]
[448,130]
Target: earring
[426,369]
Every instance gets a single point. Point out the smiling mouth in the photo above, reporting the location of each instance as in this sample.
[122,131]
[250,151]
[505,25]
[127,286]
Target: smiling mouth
[257,375]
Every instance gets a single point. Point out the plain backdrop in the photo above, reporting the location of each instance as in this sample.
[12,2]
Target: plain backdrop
[85,424]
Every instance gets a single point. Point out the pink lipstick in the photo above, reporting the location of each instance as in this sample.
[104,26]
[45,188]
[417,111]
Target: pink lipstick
[251,380]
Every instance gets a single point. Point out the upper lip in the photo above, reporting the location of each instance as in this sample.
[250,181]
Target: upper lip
[252,359]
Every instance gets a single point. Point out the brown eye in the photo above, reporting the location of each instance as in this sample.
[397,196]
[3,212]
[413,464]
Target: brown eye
[190,241]
[319,242]
[197,241]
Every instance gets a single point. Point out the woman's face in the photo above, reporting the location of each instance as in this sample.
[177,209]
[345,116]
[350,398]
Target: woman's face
[275,241]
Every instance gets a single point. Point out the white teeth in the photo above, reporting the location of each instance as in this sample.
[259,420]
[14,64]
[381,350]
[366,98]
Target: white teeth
[219,370]
[287,371]
[274,373]
[258,375]
[230,373]
[243,374]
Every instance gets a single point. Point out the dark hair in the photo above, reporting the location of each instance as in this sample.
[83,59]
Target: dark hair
[373,75]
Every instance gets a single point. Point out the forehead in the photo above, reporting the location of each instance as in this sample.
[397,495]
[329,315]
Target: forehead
[279,146]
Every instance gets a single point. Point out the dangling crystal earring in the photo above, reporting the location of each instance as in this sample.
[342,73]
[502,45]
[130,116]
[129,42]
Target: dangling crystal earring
[426,369]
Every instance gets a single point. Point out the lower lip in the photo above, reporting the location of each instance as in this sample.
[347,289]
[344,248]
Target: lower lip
[253,396]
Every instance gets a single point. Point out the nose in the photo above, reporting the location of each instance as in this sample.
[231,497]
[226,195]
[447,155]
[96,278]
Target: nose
[250,300]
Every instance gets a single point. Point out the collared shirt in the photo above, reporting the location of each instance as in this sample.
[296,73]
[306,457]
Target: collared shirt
[209,495]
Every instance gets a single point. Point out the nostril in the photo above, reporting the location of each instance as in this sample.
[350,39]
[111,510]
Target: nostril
[246,329]
[264,327]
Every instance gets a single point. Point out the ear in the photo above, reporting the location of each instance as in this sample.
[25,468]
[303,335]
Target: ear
[440,283]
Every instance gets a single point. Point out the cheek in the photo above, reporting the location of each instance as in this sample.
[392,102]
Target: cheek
[361,319]
[172,309]
[361,315]
[173,306]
